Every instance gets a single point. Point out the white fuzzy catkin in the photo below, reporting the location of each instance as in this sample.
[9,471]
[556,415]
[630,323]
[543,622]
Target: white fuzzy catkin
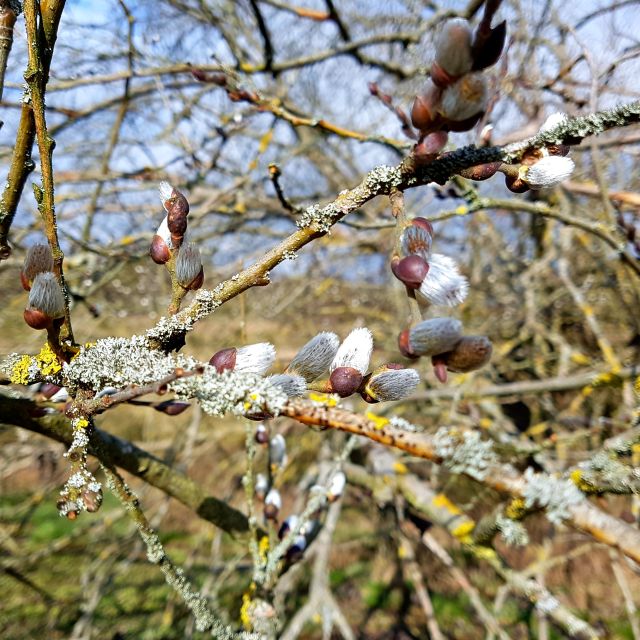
[393,384]
[355,351]
[46,295]
[465,98]
[255,358]
[166,191]
[453,46]
[444,284]
[188,264]
[435,336]
[548,172]
[292,385]
[553,121]
[315,356]
[39,259]
[164,233]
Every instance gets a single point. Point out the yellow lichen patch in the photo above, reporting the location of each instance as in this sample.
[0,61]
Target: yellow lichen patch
[245,618]
[20,373]
[442,501]
[579,480]
[462,210]
[263,548]
[516,509]
[48,361]
[636,386]
[485,553]
[403,552]
[400,468]
[378,421]
[485,423]
[463,530]
[324,399]
[80,423]
[580,358]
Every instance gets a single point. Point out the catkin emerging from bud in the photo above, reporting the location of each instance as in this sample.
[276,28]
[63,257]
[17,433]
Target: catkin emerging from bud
[432,337]
[471,353]
[465,98]
[388,384]
[548,172]
[46,296]
[453,47]
[444,285]
[315,357]
[39,259]
[189,270]
[355,351]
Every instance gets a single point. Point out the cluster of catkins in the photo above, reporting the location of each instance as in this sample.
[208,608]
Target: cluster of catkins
[434,279]
[169,245]
[45,308]
[305,530]
[456,93]
[346,363]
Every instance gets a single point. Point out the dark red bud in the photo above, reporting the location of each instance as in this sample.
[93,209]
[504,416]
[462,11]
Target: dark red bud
[411,270]
[440,369]
[395,366]
[224,360]
[516,185]
[428,148]
[405,346]
[487,47]
[558,149]
[423,223]
[367,398]
[159,251]
[271,512]
[197,282]
[480,171]
[47,389]
[463,125]
[171,407]
[424,114]
[440,77]
[36,319]
[345,381]
[26,285]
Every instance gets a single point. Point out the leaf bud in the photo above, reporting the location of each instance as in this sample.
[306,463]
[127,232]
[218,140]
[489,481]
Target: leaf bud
[428,148]
[345,381]
[224,360]
[189,270]
[439,368]
[453,51]
[471,353]
[487,46]
[39,259]
[171,407]
[411,271]
[177,208]
[480,171]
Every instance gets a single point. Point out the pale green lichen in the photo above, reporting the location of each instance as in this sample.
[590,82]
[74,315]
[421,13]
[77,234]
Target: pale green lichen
[465,452]
[555,495]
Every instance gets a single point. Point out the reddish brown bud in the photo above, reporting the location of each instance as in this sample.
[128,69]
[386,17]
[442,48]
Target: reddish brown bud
[26,285]
[92,499]
[224,360]
[480,171]
[36,319]
[516,184]
[171,407]
[463,125]
[262,434]
[428,148]
[423,223]
[487,46]
[424,112]
[405,346]
[440,77]
[345,381]
[159,251]
[39,259]
[411,270]
[471,353]
[558,149]
[439,368]
[47,389]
